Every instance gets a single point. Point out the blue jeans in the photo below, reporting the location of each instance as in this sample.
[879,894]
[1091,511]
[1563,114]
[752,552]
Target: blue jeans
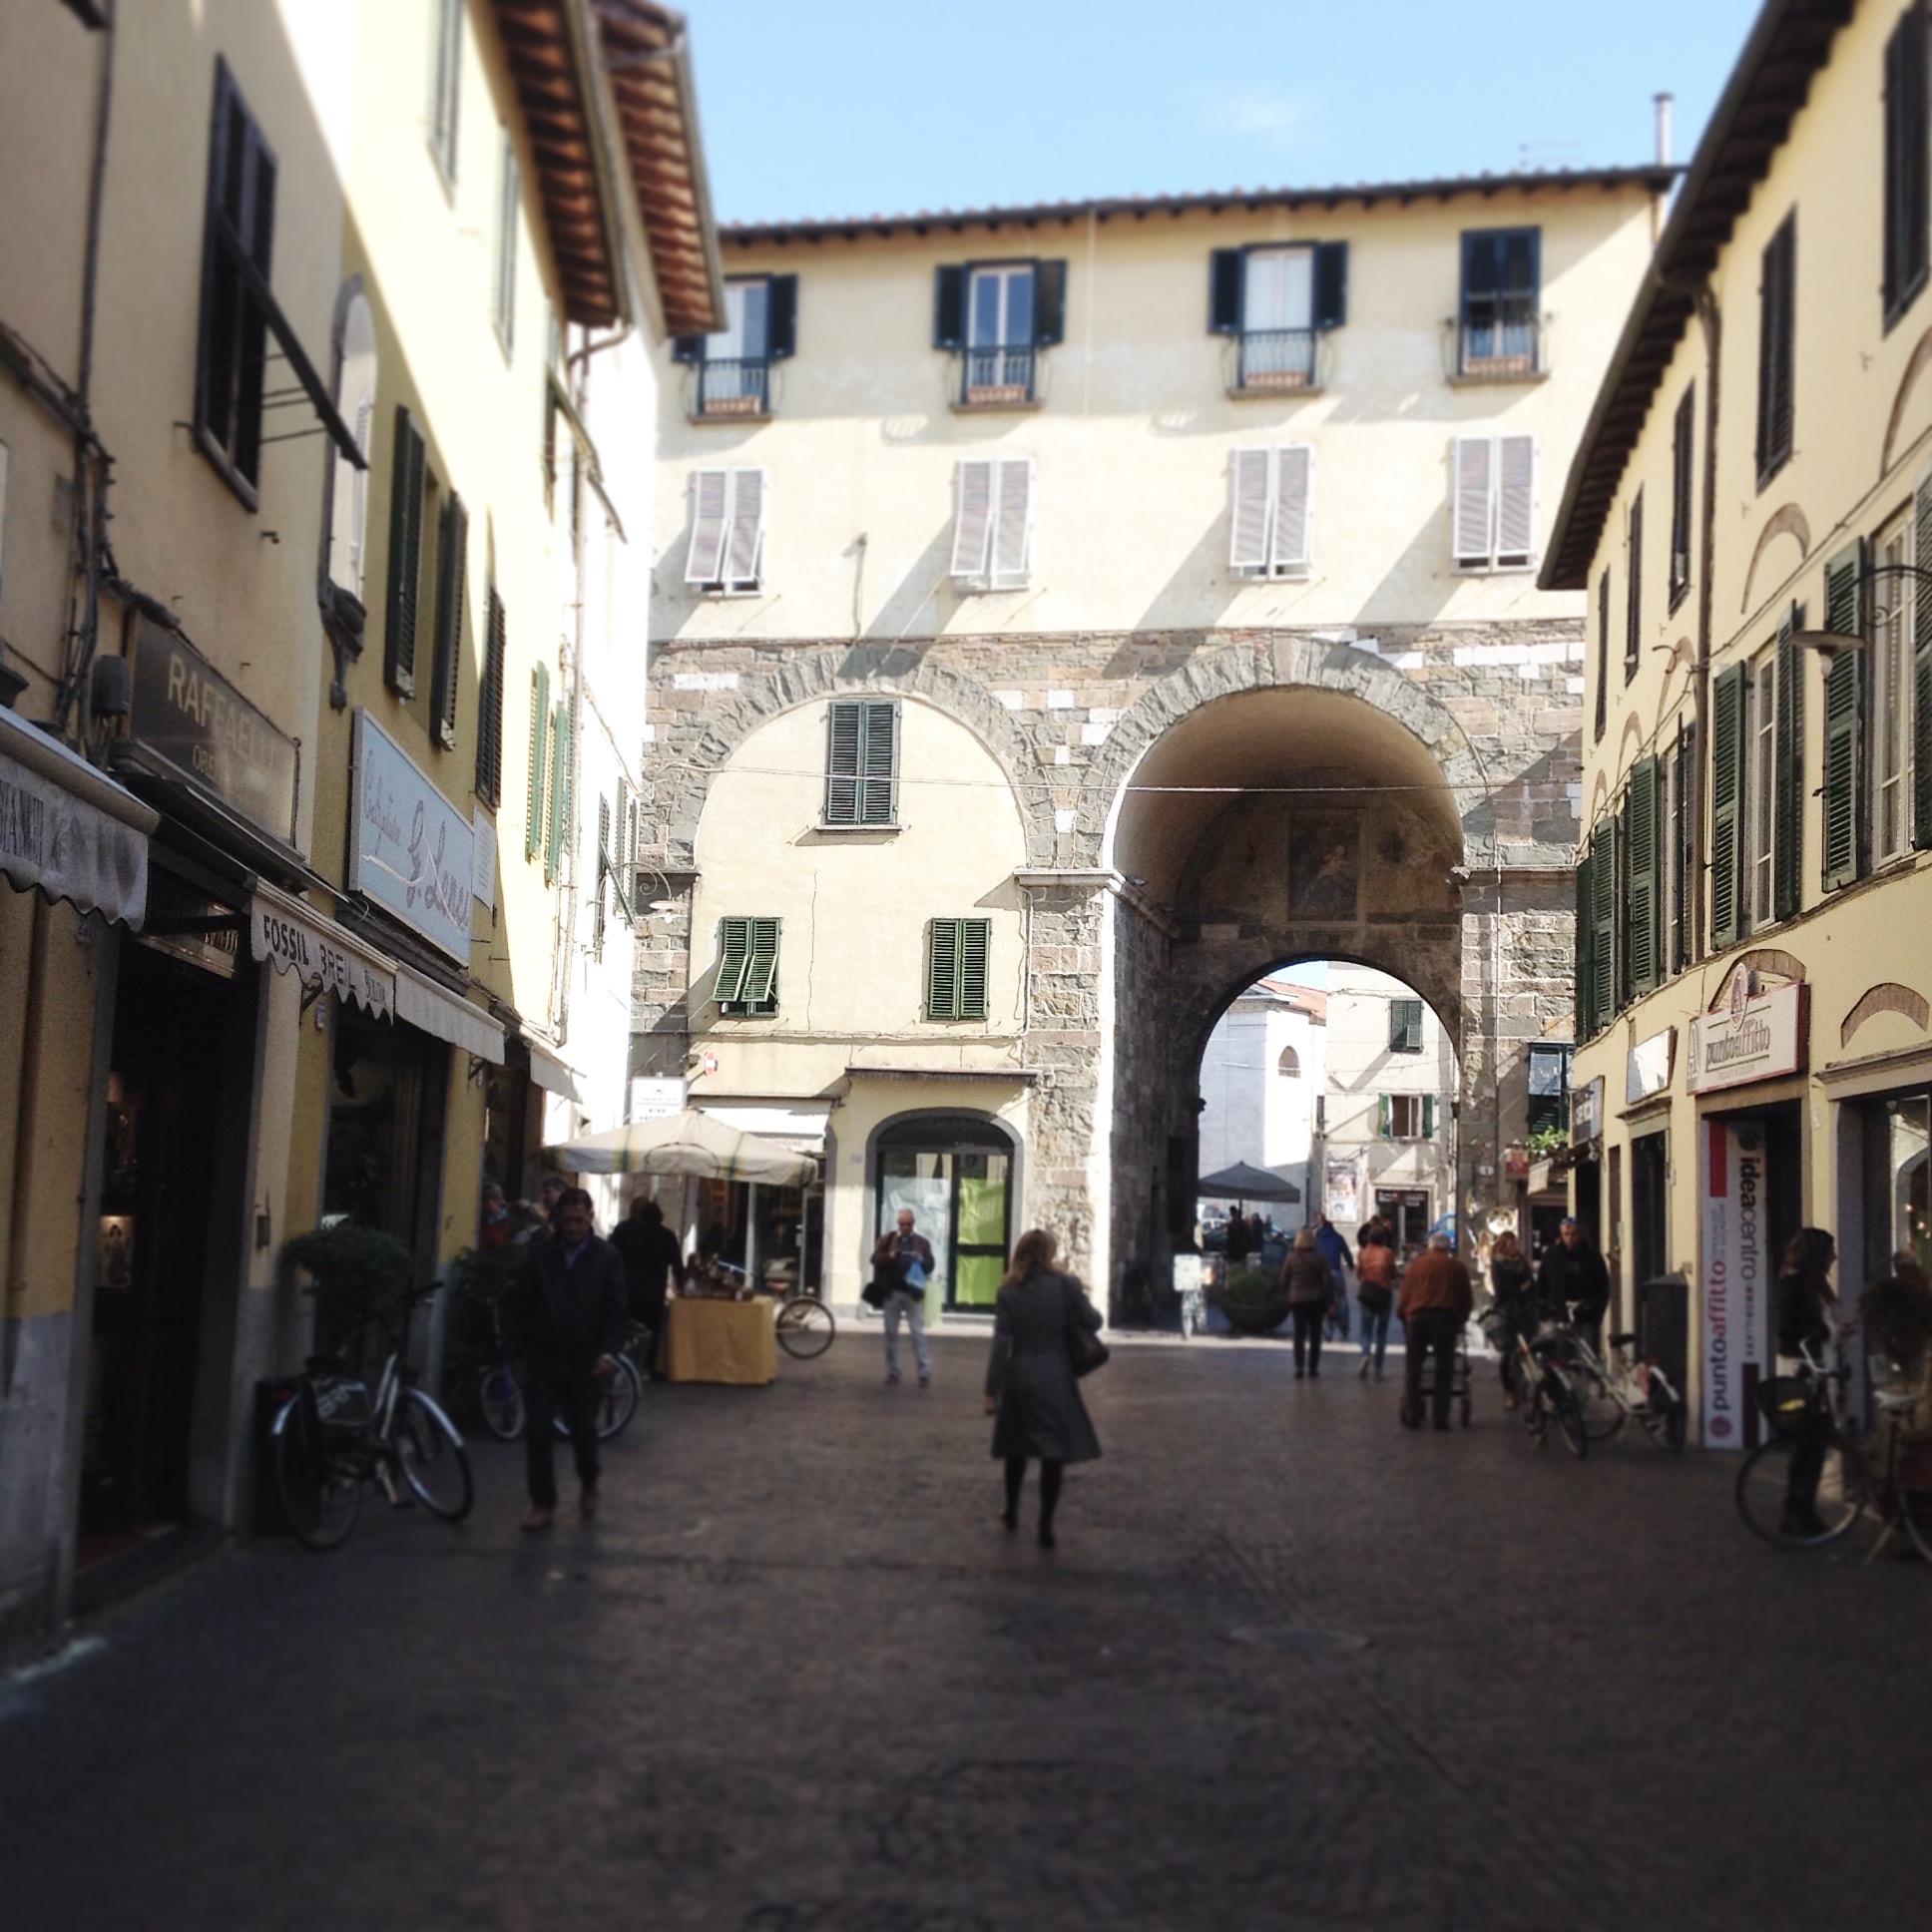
[911,1305]
[1375,1328]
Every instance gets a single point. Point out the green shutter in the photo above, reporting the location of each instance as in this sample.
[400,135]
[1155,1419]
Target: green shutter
[879,765]
[942,970]
[761,966]
[489,706]
[1603,883]
[533,834]
[562,803]
[1640,821]
[1843,719]
[1383,1113]
[1586,976]
[1788,828]
[1428,1117]
[405,557]
[733,955]
[452,562]
[1726,814]
[975,943]
[1922,669]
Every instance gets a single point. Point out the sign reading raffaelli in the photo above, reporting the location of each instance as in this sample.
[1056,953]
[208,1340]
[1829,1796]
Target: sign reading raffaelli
[410,849]
[1759,1034]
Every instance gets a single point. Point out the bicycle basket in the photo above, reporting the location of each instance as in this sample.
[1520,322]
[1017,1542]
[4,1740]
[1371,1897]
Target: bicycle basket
[341,1406]
[1789,1403]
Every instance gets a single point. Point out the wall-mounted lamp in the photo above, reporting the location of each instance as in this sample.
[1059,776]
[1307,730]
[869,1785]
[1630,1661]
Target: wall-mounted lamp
[1849,640]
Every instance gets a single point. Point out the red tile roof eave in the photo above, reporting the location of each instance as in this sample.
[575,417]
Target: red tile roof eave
[1653,178]
[1732,160]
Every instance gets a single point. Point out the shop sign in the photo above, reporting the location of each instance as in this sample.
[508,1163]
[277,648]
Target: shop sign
[1739,1272]
[1342,1192]
[1649,1065]
[1757,1035]
[302,947]
[655,1099]
[1516,1164]
[191,927]
[187,711]
[1587,1113]
[410,849]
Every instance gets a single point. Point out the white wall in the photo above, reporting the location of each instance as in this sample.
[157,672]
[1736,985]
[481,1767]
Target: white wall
[1252,1112]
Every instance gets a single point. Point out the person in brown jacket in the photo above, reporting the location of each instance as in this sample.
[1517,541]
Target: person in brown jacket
[1309,1284]
[1436,1300]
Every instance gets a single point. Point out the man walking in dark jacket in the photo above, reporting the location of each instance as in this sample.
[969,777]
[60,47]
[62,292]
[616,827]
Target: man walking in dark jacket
[651,1262]
[566,1326]
[1573,1284]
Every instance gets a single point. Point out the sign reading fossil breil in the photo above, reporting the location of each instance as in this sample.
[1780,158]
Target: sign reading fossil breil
[410,849]
[188,711]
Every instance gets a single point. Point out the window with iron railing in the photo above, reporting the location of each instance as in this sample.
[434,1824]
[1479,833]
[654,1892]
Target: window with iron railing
[731,368]
[1499,323]
[1275,304]
[996,317]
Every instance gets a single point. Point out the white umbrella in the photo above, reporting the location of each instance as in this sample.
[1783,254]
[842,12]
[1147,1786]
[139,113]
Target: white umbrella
[690,1143]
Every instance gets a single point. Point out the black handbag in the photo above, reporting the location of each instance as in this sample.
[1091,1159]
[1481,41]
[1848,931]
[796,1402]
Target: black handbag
[1084,1349]
[874,1292]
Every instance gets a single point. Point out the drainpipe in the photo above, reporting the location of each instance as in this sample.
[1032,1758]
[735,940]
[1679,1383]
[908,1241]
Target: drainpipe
[1711,318]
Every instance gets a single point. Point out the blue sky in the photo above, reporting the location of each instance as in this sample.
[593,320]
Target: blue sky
[857,107]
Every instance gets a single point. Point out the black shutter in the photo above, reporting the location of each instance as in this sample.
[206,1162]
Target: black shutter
[1684,868]
[1640,925]
[1225,273]
[1908,212]
[1922,672]
[1787,790]
[843,724]
[1634,597]
[1603,653]
[451,567]
[782,331]
[1048,303]
[489,706]
[688,348]
[1682,443]
[1522,266]
[879,763]
[1775,347]
[1844,720]
[1726,805]
[1606,890]
[405,557]
[949,309]
[1331,283]
[1481,270]
[1585,977]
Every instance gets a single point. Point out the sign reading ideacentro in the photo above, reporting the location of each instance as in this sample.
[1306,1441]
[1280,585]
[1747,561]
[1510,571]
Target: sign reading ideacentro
[410,849]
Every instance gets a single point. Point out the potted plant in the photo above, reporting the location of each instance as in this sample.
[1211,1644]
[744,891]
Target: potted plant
[352,1265]
[1897,1312]
[1253,1300]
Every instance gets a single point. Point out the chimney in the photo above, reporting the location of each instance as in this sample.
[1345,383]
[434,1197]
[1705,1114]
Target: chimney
[1662,130]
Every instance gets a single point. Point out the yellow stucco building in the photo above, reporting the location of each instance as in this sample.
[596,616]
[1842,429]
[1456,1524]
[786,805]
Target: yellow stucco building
[318,600]
[1749,514]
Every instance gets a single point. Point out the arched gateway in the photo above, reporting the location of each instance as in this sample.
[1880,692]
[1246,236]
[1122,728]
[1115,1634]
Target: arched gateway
[1186,812]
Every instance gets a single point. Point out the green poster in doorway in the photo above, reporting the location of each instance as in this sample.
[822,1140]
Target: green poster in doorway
[981,1212]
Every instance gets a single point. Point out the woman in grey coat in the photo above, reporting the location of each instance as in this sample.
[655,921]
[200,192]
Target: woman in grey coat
[1030,1385]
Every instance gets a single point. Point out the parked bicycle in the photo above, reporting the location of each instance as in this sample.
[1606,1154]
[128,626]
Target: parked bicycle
[1539,1371]
[1625,1388]
[804,1325]
[1807,1414]
[332,1437]
[499,1396]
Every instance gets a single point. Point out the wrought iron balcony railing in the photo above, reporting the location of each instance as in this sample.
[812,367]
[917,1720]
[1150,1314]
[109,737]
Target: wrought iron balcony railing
[733,386]
[1276,358]
[1500,339]
[992,375]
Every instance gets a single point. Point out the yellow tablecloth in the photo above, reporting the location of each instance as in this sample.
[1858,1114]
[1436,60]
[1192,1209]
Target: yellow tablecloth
[718,1342]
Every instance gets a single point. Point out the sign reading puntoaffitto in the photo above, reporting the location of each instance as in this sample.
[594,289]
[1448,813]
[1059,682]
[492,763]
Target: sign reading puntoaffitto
[1757,1035]
[410,849]
[1739,1272]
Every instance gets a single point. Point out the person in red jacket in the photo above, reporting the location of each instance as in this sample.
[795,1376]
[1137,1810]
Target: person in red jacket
[1436,1300]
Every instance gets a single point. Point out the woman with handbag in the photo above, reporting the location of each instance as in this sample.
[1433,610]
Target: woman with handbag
[1044,1337]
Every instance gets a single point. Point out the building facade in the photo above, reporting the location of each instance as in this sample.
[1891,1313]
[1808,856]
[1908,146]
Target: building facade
[1391,1105]
[303,505]
[1749,515]
[1262,1089]
[1068,615]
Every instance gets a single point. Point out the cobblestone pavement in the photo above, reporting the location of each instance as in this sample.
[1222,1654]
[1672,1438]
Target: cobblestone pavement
[1290,1666]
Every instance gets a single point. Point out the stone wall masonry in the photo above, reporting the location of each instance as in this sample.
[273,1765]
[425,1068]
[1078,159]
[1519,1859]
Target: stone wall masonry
[1067,715]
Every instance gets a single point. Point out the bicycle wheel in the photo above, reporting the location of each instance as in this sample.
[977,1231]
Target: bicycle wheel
[1662,1414]
[320,1486]
[430,1456]
[1571,1420]
[1603,1416]
[1764,1484]
[617,1401]
[500,1402]
[1915,1512]
[806,1327]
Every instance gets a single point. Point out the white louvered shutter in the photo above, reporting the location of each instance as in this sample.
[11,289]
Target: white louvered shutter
[1515,498]
[1012,522]
[745,546]
[974,527]
[1473,505]
[1295,478]
[711,492]
[1252,471]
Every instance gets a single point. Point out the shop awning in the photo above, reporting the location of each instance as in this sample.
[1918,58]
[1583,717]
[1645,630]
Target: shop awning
[67,830]
[297,939]
[551,1075]
[802,1129]
[689,1143]
[420,1002]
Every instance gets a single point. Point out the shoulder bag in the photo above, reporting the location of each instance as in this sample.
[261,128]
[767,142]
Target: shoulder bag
[1084,1349]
